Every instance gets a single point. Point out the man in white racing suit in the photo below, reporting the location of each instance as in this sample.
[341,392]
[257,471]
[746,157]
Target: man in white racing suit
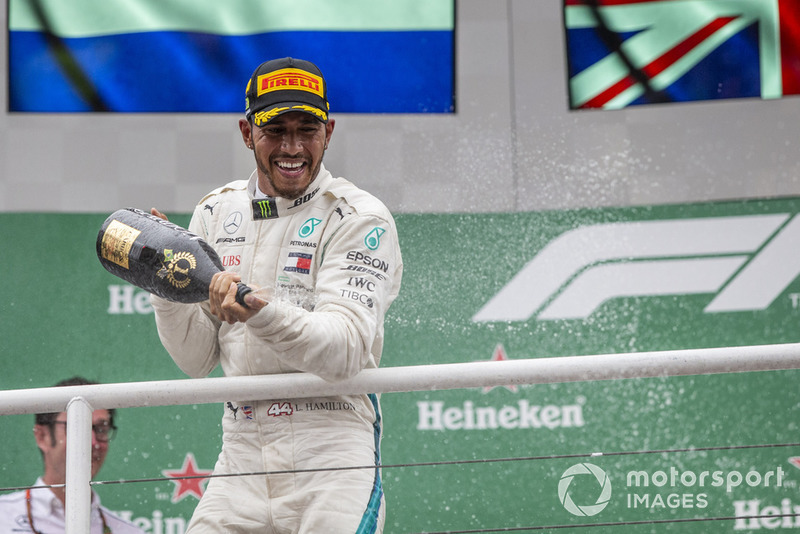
[326,255]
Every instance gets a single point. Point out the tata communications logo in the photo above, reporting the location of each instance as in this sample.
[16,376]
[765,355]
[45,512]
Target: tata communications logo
[744,261]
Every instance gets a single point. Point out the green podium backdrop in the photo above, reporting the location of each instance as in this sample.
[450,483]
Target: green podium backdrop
[659,455]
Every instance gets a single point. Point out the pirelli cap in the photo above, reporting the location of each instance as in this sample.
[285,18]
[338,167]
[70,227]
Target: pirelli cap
[282,85]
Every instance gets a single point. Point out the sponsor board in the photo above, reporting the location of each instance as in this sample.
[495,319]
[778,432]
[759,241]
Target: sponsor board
[479,287]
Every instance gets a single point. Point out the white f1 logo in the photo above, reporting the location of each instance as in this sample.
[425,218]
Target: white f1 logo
[747,260]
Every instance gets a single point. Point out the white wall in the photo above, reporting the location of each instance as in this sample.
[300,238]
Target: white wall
[512,145]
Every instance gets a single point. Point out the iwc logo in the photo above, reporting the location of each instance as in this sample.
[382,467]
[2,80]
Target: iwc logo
[176,268]
[567,479]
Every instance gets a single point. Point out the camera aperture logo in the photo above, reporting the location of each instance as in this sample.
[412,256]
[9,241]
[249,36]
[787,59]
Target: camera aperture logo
[569,478]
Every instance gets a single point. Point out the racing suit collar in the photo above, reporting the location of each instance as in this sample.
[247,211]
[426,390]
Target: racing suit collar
[273,207]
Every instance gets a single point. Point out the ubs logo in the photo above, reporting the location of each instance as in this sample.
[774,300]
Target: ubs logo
[231,261]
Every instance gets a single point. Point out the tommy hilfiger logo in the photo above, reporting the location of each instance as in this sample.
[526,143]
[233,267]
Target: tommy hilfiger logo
[298,262]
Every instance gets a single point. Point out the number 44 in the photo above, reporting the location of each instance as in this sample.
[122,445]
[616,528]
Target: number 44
[280,408]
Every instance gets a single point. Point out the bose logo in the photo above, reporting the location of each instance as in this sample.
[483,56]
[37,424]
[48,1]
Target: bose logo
[746,260]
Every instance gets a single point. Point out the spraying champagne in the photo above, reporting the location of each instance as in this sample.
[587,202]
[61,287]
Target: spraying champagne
[159,256]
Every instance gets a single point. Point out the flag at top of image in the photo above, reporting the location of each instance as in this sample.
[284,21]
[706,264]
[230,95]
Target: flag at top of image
[628,52]
[378,56]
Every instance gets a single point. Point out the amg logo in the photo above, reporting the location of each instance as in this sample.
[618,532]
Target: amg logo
[744,261]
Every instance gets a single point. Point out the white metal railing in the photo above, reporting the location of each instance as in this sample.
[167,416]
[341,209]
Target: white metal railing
[80,401]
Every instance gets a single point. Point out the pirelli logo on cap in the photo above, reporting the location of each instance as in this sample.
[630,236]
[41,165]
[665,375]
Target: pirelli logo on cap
[291,79]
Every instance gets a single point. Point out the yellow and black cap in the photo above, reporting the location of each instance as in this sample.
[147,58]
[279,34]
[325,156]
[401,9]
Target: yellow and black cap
[282,85]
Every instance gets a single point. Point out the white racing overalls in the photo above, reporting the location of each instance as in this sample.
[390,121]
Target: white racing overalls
[333,260]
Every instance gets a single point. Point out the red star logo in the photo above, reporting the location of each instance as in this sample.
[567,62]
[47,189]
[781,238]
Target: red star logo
[795,461]
[189,480]
[499,355]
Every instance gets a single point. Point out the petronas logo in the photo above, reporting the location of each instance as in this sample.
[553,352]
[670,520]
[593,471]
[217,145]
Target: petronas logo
[373,239]
[308,227]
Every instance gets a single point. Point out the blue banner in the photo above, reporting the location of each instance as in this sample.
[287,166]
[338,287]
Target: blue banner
[60,62]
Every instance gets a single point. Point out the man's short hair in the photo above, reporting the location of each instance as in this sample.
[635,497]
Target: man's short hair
[49,418]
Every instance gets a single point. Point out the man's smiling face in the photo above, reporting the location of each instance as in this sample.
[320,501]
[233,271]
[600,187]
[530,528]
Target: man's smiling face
[288,151]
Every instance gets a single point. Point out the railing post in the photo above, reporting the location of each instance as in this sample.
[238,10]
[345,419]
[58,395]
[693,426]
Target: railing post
[79,467]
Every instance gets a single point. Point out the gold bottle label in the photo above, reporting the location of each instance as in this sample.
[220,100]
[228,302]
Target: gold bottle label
[117,242]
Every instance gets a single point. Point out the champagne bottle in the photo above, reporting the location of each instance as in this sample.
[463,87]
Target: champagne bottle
[159,256]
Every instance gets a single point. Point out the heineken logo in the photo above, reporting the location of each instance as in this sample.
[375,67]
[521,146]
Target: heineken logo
[745,262]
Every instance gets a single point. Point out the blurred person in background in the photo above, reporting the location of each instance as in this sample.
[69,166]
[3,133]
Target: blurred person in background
[40,509]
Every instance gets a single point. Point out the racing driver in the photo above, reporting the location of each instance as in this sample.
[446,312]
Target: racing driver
[325,258]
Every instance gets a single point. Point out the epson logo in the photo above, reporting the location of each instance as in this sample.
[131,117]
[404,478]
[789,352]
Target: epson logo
[746,262]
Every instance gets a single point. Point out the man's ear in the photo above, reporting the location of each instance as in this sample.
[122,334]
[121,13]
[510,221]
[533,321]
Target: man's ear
[247,132]
[329,131]
[44,439]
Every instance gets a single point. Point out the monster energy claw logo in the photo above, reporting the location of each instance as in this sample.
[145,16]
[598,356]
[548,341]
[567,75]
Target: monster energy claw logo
[265,208]
[308,227]
[373,239]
